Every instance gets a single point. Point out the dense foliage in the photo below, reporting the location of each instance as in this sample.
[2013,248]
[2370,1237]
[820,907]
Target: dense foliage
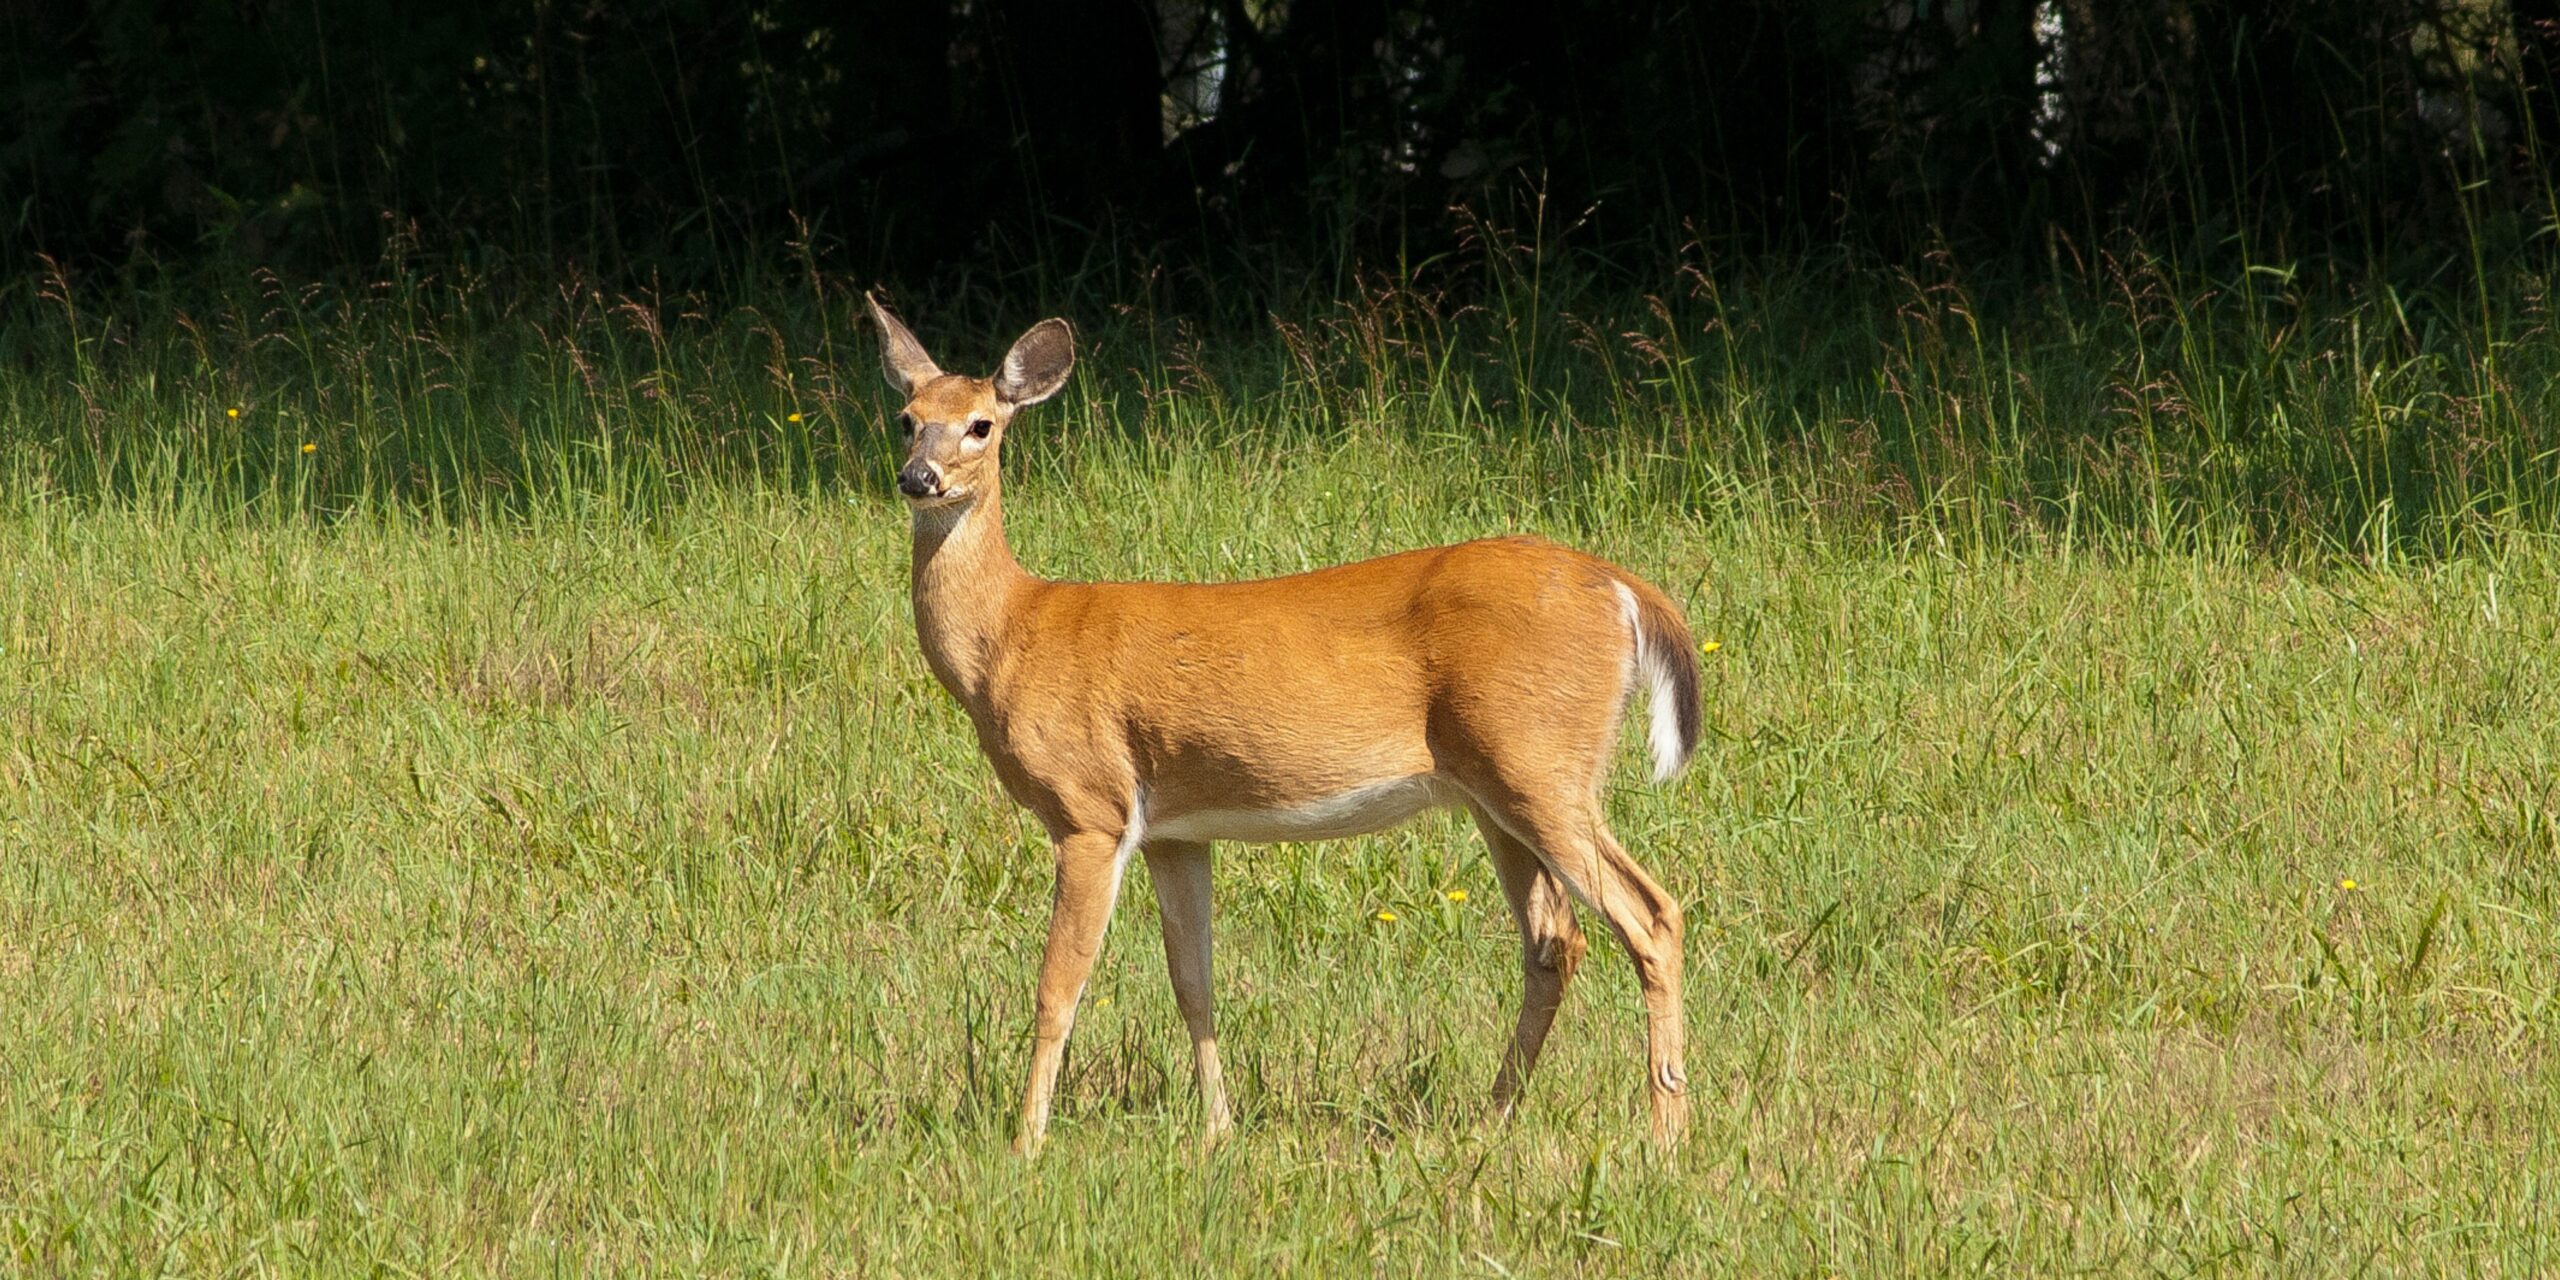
[659,133]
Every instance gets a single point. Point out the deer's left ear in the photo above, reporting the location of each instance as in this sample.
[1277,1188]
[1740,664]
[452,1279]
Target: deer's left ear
[902,358]
[1038,364]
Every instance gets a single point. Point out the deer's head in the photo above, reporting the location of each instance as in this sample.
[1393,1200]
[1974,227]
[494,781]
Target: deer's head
[954,424]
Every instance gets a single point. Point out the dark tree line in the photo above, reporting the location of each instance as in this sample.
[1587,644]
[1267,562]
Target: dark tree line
[617,132]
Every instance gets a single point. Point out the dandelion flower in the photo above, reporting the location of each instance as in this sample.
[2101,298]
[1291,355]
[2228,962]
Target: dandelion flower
[1457,895]
[1386,917]
[231,413]
[1710,646]
[793,418]
[2349,885]
[309,447]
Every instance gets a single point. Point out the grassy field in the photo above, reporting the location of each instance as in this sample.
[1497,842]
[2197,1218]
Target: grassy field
[521,836]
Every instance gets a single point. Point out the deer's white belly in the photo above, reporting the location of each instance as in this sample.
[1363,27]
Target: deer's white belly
[1350,813]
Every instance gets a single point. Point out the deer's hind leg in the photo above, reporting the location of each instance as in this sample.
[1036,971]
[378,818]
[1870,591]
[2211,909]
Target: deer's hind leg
[1574,845]
[1551,948]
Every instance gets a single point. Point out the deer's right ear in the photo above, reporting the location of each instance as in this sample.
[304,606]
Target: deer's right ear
[902,358]
[1038,364]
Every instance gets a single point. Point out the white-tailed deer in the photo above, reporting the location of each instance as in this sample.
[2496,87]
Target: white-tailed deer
[1157,717]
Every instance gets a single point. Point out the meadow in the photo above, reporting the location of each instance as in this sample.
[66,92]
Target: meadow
[471,802]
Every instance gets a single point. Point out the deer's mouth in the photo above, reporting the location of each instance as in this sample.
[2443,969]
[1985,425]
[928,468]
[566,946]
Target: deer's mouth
[940,495]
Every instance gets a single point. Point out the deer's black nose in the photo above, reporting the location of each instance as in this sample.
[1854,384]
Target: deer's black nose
[916,480]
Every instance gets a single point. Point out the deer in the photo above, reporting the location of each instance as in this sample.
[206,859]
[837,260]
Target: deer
[1156,718]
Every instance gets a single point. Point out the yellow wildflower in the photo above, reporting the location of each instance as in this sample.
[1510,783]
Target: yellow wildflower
[1710,646]
[793,418]
[1386,917]
[231,413]
[308,447]
[1457,895]
[2349,885]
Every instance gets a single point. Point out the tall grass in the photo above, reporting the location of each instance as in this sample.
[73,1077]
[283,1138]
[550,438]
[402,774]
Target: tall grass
[2119,396]
[607,890]
[519,835]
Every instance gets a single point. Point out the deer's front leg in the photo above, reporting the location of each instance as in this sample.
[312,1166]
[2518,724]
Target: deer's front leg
[1181,875]
[1089,867]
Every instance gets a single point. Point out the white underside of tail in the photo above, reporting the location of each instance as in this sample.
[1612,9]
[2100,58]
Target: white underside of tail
[1663,735]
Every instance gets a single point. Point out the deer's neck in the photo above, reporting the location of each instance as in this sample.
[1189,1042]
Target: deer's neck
[965,585]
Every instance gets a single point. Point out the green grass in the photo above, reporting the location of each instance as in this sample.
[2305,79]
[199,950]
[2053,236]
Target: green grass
[521,836]
[2121,396]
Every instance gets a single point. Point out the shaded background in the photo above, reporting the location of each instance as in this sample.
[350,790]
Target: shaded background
[1236,139]
[2006,271]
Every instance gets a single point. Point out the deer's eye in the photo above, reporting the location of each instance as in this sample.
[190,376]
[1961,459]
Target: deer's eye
[980,428]
[907,423]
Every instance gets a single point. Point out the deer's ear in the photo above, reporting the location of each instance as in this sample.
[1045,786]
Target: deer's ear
[902,358]
[1038,365]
